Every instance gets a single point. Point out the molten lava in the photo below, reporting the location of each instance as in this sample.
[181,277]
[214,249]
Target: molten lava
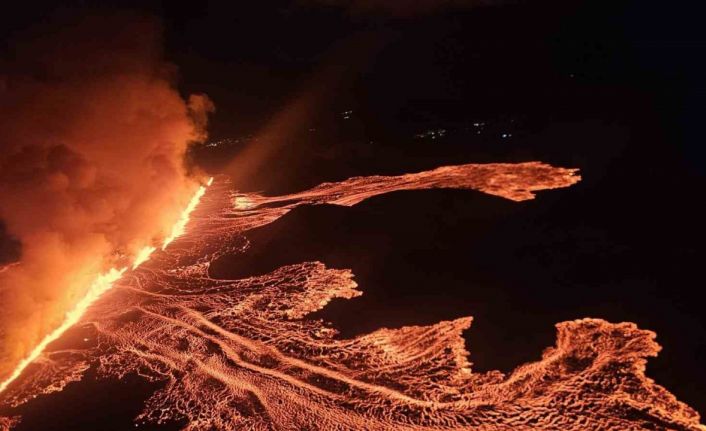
[143,256]
[238,354]
[180,226]
[102,284]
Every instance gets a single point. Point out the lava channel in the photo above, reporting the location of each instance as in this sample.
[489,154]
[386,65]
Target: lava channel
[238,354]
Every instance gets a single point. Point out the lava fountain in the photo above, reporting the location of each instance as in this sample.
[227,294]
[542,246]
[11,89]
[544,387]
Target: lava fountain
[93,169]
[100,285]
[240,354]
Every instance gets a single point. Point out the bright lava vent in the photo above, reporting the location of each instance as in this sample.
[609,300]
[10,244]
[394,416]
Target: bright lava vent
[237,354]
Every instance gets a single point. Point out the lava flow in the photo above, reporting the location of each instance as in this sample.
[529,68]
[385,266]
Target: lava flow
[100,285]
[239,354]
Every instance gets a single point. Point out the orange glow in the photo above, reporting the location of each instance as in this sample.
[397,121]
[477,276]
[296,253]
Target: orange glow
[143,256]
[243,353]
[100,285]
[242,202]
[180,226]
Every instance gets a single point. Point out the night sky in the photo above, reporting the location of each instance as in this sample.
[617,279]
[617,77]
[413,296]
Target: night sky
[614,88]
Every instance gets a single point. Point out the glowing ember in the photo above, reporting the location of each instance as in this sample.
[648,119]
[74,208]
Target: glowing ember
[237,354]
[102,284]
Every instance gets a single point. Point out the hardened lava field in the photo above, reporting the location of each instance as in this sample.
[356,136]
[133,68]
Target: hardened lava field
[238,355]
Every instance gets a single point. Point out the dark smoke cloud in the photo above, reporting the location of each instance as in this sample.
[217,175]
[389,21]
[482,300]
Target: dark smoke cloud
[92,136]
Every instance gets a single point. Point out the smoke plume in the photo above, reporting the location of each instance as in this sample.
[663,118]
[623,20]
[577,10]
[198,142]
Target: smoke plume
[92,141]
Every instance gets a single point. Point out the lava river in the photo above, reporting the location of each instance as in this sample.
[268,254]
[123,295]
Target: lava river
[239,355]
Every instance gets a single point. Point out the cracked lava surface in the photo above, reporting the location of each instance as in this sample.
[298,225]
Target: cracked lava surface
[239,355]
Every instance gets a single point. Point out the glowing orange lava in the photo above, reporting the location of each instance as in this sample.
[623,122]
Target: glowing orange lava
[100,285]
[143,256]
[180,226]
[240,354]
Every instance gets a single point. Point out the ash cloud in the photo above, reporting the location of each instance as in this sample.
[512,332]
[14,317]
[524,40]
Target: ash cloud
[93,135]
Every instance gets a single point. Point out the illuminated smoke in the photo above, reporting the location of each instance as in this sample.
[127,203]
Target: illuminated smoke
[337,70]
[101,284]
[92,175]
[236,354]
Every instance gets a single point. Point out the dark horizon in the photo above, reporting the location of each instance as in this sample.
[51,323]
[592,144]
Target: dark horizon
[614,89]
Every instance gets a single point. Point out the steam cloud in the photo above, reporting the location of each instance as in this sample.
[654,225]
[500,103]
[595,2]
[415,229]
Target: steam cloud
[92,136]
